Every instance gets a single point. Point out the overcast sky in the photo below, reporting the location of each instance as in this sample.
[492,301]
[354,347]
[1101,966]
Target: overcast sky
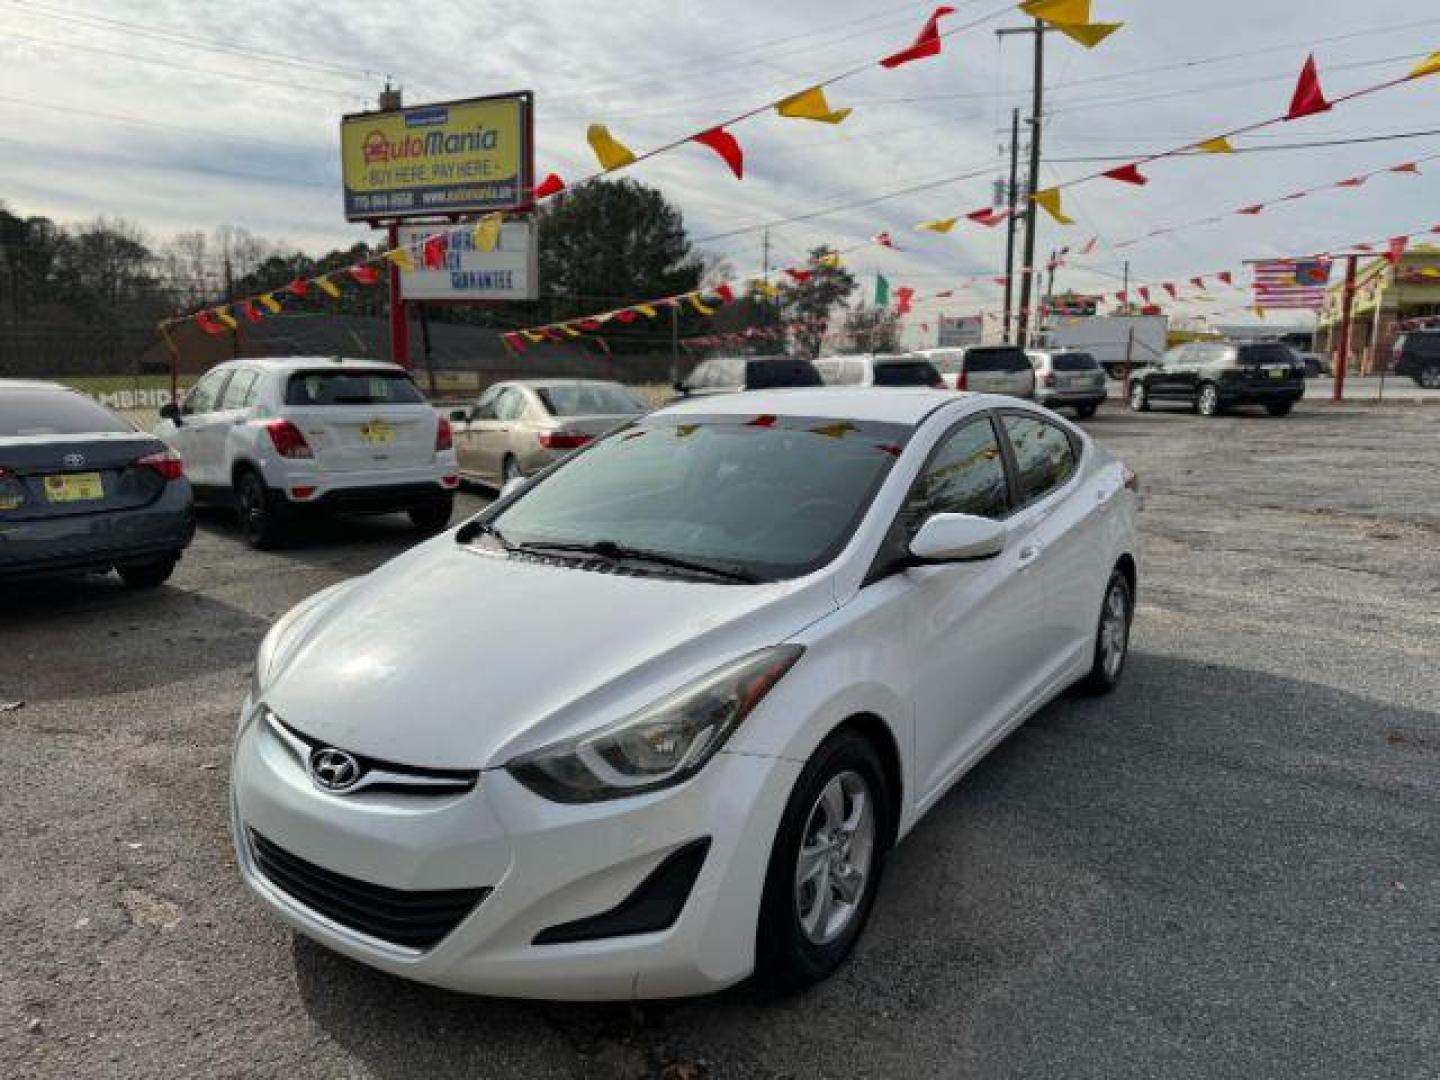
[98,120]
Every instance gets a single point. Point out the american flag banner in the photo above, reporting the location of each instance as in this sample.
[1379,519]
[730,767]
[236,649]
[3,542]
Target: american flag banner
[1291,283]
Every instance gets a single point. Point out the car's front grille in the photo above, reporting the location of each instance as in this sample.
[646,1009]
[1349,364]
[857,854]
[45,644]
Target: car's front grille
[414,920]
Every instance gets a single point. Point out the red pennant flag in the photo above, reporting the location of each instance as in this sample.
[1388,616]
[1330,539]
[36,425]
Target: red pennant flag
[1169,287]
[1226,276]
[725,293]
[927,42]
[1251,209]
[1089,245]
[1396,249]
[551,185]
[1309,99]
[1002,280]
[724,144]
[1354,181]
[299,286]
[433,251]
[904,299]
[1407,167]
[249,310]
[1122,297]
[590,324]
[515,340]
[989,217]
[1198,282]
[800,277]
[365,275]
[1128,174]
[884,239]
[207,322]
[1144,293]
[626,315]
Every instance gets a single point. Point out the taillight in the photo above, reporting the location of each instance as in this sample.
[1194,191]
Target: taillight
[444,437]
[960,382]
[165,462]
[1130,479]
[288,439]
[563,440]
[1047,378]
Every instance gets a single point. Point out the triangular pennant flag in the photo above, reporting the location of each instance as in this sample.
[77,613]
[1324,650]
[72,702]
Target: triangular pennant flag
[570,331]
[271,304]
[1429,66]
[884,239]
[487,231]
[811,105]
[625,315]
[1354,181]
[882,291]
[1144,292]
[1198,282]
[724,144]
[940,225]
[535,336]
[725,294]
[927,42]
[829,261]
[433,251]
[223,314]
[1217,145]
[646,310]
[800,277]
[1049,201]
[989,217]
[1127,174]
[514,340]
[609,151]
[206,322]
[249,310]
[1053,11]
[401,257]
[1309,99]
[1087,34]
[1252,210]
[328,287]
[595,324]
[698,305]
[1408,167]
[1396,249]
[1226,276]
[365,275]
[1122,297]
[551,185]
[1169,287]
[298,287]
[1088,246]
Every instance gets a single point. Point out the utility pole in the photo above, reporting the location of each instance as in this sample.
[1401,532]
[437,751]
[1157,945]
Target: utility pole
[1037,105]
[1347,304]
[1010,197]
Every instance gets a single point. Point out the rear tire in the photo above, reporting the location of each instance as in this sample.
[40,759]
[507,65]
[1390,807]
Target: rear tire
[1208,402]
[1084,412]
[1139,397]
[837,821]
[1428,377]
[431,518]
[259,511]
[1112,637]
[148,575]
[1280,408]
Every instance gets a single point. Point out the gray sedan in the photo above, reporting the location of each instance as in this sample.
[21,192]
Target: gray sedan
[518,428]
[82,491]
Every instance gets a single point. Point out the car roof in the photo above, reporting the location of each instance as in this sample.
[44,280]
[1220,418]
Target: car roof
[897,405]
[310,363]
[540,384]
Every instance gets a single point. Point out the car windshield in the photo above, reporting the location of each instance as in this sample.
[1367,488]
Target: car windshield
[352,388]
[996,359]
[1074,361]
[54,412]
[589,399]
[906,373]
[773,497]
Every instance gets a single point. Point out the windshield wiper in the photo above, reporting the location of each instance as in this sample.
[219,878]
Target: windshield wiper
[471,529]
[611,551]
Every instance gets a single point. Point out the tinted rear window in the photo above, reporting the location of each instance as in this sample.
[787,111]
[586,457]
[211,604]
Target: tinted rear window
[589,399]
[767,374]
[54,412]
[908,373]
[352,388]
[1266,354]
[1074,361]
[997,359]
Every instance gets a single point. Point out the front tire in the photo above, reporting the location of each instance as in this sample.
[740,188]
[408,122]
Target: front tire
[148,575]
[1139,397]
[825,865]
[1280,408]
[431,518]
[1208,402]
[1429,377]
[1084,412]
[259,511]
[1112,636]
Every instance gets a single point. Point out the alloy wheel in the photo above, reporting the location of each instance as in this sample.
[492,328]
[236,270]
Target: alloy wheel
[1430,377]
[837,856]
[1114,630]
[252,508]
[1209,401]
[1137,397]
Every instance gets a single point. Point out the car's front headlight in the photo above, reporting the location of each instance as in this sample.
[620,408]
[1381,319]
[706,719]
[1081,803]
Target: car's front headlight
[664,744]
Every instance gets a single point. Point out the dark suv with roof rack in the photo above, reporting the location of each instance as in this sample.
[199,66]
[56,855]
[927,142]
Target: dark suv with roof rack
[1417,354]
[1212,376]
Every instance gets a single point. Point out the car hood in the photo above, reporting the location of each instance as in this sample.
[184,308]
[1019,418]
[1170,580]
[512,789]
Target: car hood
[455,657]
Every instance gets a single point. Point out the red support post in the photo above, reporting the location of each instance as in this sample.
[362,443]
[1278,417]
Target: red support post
[399,327]
[1347,302]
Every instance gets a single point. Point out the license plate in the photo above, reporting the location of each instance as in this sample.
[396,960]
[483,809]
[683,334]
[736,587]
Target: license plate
[1278,373]
[74,487]
[377,434]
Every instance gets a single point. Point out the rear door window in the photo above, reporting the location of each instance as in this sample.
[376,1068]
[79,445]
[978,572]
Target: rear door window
[510,405]
[324,388]
[1251,355]
[240,392]
[203,396]
[1044,455]
[768,374]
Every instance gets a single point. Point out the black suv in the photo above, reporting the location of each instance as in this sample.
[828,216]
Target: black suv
[1212,376]
[1417,354]
[728,374]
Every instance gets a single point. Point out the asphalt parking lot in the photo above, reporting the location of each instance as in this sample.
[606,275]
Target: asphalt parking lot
[1230,868]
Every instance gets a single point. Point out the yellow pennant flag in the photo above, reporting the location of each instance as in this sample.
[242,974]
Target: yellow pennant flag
[940,225]
[764,288]
[1058,11]
[570,331]
[1429,66]
[271,304]
[487,231]
[401,258]
[1049,201]
[223,314]
[1217,145]
[830,262]
[1088,34]
[811,105]
[700,307]
[611,153]
[328,287]
[533,336]
[646,310]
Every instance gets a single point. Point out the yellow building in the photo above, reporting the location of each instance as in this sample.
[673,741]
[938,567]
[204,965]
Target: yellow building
[1388,301]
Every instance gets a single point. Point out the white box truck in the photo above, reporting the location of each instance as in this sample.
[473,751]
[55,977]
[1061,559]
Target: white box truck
[1119,342]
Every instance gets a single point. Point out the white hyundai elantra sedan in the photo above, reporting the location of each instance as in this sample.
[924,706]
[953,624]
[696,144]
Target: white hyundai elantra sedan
[650,722]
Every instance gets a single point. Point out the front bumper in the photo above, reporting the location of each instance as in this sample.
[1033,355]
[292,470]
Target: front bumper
[1260,394]
[545,865]
[83,543]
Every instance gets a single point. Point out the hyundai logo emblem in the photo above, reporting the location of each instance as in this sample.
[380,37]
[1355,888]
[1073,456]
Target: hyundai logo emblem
[73,461]
[333,770]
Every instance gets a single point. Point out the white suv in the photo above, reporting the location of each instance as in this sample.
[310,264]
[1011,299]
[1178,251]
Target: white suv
[274,437]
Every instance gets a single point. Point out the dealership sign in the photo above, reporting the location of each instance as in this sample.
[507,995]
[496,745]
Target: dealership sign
[460,157]
[509,272]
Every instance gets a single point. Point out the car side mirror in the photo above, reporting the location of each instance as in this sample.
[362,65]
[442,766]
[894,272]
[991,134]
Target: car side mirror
[459,416]
[958,538]
[170,411]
